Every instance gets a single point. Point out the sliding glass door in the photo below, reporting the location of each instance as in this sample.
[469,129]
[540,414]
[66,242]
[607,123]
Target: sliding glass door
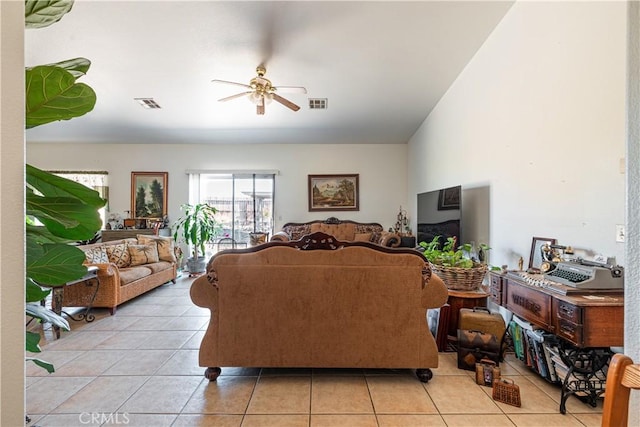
[244,202]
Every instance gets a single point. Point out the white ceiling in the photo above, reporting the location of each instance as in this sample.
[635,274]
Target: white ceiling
[382,66]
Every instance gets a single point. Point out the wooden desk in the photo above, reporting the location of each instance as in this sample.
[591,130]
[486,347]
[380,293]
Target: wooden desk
[589,318]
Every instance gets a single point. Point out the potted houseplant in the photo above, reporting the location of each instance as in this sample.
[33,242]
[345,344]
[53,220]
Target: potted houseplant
[196,227]
[456,266]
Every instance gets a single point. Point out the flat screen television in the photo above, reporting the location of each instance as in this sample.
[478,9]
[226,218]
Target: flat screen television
[440,214]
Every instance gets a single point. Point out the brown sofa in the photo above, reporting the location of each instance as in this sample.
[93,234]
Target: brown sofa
[344,230]
[123,273]
[318,302]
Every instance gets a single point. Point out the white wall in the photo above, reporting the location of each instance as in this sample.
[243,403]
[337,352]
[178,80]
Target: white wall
[382,169]
[538,115]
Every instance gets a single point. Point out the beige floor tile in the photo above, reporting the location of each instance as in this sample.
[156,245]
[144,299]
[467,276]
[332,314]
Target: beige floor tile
[226,395]
[576,406]
[45,395]
[447,365]
[337,372]
[202,420]
[140,362]
[281,395]
[90,363]
[57,358]
[459,394]
[191,323]
[276,421]
[166,340]
[78,340]
[162,395]
[102,395]
[194,342]
[112,323]
[340,395]
[341,420]
[64,420]
[410,421]
[396,372]
[477,420]
[152,310]
[546,420]
[143,420]
[399,394]
[182,362]
[589,420]
[150,323]
[125,340]
[517,365]
[533,399]
[243,372]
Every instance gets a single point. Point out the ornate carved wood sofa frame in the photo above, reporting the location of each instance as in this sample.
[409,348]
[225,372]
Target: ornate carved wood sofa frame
[344,230]
[321,303]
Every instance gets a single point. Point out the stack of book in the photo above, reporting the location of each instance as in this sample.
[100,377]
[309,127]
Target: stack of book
[534,347]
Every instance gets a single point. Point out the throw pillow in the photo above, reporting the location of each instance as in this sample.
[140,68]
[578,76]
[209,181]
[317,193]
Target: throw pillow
[143,254]
[363,237]
[96,255]
[166,246]
[119,255]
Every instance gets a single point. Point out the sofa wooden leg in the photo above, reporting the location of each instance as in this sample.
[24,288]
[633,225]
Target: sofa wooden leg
[173,281]
[212,373]
[424,375]
[112,310]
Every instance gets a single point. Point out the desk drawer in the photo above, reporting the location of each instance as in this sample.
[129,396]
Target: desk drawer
[569,312]
[570,331]
[528,303]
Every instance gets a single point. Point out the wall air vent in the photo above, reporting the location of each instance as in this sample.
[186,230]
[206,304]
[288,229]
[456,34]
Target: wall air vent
[147,103]
[317,103]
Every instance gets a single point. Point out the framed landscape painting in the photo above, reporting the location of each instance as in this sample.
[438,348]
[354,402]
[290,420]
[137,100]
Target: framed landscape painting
[149,194]
[334,192]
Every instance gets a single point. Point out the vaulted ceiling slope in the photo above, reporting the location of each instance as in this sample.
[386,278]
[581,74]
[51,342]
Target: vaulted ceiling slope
[382,66]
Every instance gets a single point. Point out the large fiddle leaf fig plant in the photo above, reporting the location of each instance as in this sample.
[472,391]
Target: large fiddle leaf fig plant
[58,211]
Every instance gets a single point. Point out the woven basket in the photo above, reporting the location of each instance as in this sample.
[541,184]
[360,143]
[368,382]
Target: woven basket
[461,279]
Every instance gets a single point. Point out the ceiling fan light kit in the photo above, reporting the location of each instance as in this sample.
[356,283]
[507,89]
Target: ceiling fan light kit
[262,92]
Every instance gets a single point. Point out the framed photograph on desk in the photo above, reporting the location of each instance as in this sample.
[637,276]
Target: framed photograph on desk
[535,259]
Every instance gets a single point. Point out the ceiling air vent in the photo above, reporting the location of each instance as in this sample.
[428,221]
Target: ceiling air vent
[147,103]
[317,103]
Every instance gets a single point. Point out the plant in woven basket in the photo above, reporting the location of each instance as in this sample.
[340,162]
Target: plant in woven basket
[449,255]
[455,266]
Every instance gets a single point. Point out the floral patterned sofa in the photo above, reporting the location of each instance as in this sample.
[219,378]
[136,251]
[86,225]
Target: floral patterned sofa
[343,230]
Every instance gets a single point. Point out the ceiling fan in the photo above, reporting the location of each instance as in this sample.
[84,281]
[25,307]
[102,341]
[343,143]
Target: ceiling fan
[261,91]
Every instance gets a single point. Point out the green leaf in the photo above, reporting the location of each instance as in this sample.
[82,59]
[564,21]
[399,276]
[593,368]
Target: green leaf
[52,94]
[78,67]
[32,342]
[42,13]
[65,216]
[46,365]
[58,264]
[35,293]
[52,185]
[46,315]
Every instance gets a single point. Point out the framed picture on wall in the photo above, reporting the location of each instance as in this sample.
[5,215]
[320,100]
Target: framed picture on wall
[334,192]
[149,194]
[449,198]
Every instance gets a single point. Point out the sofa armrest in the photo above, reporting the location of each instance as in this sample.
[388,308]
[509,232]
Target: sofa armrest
[106,270]
[280,236]
[390,240]
[204,294]
[435,294]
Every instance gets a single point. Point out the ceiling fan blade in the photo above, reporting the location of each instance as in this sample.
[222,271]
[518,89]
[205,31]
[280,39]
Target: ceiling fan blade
[237,95]
[230,83]
[285,102]
[291,89]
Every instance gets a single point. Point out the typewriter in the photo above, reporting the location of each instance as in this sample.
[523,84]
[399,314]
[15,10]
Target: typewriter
[583,274]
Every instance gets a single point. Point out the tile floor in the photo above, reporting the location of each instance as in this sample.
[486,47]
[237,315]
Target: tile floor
[140,368]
